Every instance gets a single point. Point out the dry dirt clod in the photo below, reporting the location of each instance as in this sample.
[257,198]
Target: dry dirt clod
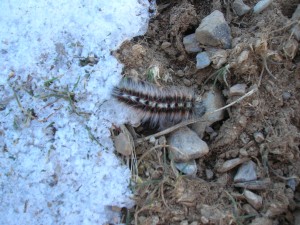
[186,145]
[253,199]
[230,164]
[246,172]
[214,31]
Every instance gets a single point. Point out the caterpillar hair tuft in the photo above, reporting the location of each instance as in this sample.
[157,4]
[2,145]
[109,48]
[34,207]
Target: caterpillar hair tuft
[163,106]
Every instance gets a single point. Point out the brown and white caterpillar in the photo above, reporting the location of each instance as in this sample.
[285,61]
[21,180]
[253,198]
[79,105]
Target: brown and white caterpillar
[163,106]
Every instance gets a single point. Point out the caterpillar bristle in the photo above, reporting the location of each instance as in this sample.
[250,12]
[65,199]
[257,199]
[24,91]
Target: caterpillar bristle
[162,106]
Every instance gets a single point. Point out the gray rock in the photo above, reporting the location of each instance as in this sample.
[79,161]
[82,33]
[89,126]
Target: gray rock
[191,44]
[230,164]
[212,100]
[203,60]
[237,90]
[261,5]
[246,172]
[214,31]
[186,145]
[188,168]
[240,8]
[253,199]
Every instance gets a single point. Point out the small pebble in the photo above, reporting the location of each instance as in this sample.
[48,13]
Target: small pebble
[237,90]
[246,172]
[188,168]
[123,145]
[240,8]
[253,199]
[209,174]
[187,82]
[186,145]
[261,221]
[191,44]
[261,5]
[286,95]
[203,60]
[180,73]
[229,164]
[259,137]
[243,152]
[165,45]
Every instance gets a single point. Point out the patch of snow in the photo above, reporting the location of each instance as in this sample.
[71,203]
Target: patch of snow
[57,164]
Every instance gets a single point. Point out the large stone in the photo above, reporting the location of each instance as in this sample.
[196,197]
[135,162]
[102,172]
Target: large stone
[186,145]
[214,31]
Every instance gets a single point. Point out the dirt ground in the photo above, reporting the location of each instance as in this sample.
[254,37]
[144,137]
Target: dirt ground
[164,197]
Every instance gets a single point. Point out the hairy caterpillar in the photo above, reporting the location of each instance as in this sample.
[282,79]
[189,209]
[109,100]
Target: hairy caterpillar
[163,106]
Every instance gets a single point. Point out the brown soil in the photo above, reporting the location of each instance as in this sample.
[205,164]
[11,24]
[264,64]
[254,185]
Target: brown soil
[163,196]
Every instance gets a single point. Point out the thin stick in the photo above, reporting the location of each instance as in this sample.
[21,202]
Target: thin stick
[188,122]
